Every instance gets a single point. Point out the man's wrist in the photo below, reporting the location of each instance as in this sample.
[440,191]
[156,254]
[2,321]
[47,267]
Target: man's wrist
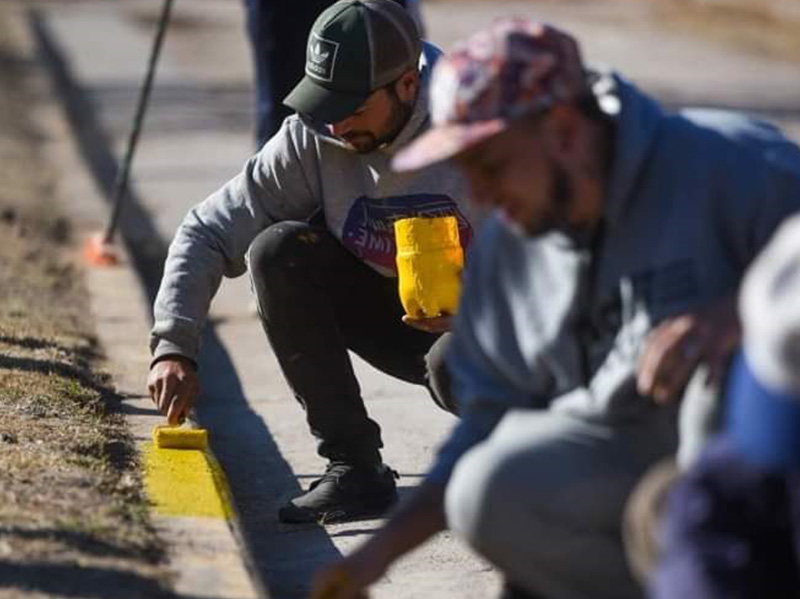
[176,357]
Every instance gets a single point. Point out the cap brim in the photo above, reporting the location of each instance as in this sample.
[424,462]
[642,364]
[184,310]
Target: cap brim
[445,142]
[321,104]
[763,423]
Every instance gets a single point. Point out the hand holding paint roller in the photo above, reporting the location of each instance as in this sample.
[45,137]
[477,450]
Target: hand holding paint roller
[173,386]
[429,264]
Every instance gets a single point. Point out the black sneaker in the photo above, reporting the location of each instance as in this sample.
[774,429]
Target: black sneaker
[345,492]
[513,591]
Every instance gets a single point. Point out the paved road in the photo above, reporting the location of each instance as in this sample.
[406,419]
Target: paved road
[198,135]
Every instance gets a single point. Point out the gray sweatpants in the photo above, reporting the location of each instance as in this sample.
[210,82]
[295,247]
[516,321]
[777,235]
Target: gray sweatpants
[542,498]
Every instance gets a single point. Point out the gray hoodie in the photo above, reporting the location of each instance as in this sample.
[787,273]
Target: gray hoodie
[550,323]
[300,171]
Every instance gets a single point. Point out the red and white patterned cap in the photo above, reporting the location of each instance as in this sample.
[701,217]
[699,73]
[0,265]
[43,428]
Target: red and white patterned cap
[514,68]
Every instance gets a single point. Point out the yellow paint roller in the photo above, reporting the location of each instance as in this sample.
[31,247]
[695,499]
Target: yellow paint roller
[178,437]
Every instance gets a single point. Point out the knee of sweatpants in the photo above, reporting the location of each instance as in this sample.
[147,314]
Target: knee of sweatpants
[281,247]
[475,497]
[437,375]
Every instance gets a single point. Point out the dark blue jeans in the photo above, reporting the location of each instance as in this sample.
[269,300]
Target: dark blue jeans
[278,30]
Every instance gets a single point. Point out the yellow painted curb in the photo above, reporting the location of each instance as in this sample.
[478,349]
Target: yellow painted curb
[185,482]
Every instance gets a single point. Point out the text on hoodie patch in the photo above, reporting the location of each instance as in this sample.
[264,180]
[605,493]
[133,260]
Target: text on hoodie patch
[368,231]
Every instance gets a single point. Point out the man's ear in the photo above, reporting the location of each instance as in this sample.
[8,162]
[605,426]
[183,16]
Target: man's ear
[407,85]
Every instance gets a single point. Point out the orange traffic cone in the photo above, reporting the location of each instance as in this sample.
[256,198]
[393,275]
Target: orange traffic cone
[100,252]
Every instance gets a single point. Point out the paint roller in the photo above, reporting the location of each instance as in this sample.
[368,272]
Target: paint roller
[179,437]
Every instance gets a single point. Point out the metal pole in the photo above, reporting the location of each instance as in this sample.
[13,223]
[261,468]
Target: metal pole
[121,183]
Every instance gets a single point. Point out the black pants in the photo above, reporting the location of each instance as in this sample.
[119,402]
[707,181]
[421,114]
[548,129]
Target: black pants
[316,301]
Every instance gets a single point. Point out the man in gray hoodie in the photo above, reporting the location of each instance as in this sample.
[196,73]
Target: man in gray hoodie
[605,277]
[310,217]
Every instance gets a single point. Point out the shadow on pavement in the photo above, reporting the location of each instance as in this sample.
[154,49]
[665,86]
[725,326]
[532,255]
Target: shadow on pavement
[281,560]
[52,366]
[72,580]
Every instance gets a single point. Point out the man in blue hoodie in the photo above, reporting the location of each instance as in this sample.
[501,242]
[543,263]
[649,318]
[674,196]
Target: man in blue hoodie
[603,279]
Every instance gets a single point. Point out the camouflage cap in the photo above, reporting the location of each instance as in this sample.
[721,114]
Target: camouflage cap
[514,68]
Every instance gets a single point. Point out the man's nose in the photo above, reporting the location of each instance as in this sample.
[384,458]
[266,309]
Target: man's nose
[341,127]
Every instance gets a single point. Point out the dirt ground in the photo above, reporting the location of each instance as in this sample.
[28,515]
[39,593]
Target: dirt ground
[73,520]
[746,24]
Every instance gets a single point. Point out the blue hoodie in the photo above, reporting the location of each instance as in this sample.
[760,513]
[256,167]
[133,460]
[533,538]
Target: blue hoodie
[548,323]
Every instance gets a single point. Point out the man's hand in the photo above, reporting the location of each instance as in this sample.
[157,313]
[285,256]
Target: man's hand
[437,324]
[173,387]
[678,345]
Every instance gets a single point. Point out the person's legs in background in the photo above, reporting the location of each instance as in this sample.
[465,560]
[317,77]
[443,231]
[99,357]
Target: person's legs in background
[278,30]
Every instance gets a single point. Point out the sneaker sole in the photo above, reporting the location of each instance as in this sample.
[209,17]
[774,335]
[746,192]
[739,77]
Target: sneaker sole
[352,514]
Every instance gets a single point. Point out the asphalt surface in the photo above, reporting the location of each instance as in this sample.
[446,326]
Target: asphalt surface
[198,134]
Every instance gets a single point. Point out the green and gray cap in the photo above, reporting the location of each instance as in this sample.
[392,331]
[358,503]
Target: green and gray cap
[354,48]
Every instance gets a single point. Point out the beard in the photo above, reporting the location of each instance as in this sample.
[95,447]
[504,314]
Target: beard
[364,142]
[361,142]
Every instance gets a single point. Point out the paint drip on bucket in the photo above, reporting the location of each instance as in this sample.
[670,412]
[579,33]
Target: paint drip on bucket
[429,264]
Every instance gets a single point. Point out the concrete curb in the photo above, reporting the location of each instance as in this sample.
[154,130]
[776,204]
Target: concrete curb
[204,552]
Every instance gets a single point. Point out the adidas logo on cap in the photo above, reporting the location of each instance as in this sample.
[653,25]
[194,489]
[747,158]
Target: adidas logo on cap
[321,58]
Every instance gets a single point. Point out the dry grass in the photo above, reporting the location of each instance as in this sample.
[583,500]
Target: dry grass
[73,519]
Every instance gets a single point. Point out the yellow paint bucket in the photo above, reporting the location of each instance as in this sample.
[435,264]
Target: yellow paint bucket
[429,264]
